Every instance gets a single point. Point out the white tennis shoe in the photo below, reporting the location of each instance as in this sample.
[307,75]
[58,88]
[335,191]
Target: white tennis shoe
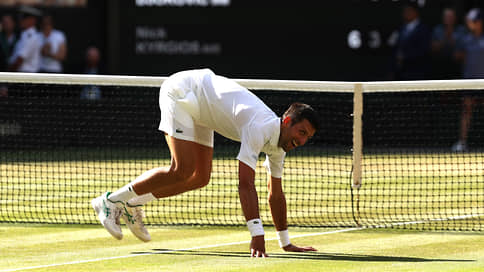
[133,216]
[108,214]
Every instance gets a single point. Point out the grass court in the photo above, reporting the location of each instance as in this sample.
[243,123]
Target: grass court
[91,248]
[57,188]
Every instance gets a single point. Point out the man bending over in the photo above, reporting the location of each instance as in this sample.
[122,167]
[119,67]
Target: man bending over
[193,105]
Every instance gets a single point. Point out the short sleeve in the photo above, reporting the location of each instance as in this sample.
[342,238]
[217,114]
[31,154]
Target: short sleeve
[27,47]
[274,164]
[62,37]
[250,147]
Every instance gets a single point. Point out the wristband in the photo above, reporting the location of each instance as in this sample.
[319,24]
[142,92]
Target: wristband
[283,237]
[255,227]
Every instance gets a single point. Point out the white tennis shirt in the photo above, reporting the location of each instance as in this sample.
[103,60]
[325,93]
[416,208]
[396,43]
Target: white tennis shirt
[55,39]
[28,48]
[234,112]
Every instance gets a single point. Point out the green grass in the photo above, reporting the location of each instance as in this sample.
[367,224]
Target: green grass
[61,248]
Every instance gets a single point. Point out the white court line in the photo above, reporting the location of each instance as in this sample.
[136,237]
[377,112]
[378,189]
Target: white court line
[245,242]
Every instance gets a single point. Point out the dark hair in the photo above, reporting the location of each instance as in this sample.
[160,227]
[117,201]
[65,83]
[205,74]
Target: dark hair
[300,111]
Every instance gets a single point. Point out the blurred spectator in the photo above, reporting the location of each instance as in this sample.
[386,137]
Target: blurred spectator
[470,51]
[444,41]
[26,53]
[54,48]
[7,40]
[411,60]
[93,57]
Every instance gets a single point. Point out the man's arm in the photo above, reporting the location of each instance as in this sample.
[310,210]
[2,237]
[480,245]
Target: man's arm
[250,206]
[13,67]
[60,55]
[277,202]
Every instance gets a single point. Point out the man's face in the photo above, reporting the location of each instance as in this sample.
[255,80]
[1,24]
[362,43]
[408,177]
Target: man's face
[294,135]
[449,17]
[474,26]
[27,22]
[409,14]
[8,24]
[47,25]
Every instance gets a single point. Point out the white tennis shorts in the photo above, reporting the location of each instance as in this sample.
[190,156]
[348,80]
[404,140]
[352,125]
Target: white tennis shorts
[179,112]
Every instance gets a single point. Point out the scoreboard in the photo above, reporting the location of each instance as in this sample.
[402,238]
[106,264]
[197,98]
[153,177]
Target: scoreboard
[317,40]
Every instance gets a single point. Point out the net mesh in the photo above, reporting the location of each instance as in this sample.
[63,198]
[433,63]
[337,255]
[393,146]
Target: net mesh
[61,148]
[410,167]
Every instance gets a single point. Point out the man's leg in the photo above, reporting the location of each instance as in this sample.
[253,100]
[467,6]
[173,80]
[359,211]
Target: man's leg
[191,166]
[465,124]
[466,118]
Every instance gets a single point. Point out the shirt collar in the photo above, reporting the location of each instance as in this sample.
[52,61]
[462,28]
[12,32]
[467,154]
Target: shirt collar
[29,30]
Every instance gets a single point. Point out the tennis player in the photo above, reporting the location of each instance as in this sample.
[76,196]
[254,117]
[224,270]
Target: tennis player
[193,105]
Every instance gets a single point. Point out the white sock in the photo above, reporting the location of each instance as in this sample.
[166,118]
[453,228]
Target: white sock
[141,200]
[123,195]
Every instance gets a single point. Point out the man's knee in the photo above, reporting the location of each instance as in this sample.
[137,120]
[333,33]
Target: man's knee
[197,182]
[203,180]
[182,173]
[192,173]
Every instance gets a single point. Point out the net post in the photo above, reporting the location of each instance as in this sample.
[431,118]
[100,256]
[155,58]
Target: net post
[357,149]
[357,134]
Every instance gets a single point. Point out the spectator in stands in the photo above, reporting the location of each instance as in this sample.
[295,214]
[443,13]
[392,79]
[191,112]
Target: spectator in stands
[444,40]
[54,47]
[411,59]
[26,53]
[470,51]
[93,57]
[7,40]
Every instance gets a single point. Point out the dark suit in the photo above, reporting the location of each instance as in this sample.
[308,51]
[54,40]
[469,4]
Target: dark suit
[412,54]
[5,51]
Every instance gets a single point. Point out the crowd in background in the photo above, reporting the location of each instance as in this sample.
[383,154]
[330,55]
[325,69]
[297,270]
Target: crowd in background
[448,50]
[26,48]
[33,50]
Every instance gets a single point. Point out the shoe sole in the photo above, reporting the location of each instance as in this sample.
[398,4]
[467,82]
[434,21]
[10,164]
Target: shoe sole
[142,238]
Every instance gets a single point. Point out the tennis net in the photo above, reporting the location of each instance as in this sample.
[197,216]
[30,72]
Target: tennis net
[383,157]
